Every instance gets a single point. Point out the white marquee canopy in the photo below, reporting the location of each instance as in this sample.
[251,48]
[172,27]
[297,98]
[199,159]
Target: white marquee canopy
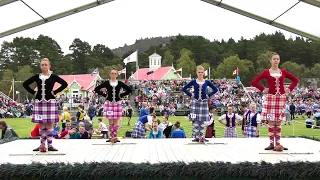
[274,18]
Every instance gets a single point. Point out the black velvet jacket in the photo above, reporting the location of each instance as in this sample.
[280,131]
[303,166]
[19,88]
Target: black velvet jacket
[48,86]
[112,93]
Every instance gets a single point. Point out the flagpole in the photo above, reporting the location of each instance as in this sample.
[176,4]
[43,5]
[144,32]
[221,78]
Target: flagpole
[137,66]
[125,73]
[181,73]
[13,89]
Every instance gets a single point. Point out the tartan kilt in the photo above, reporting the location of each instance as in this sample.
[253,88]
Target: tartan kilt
[250,132]
[230,132]
[45,111]
[112,110]
[210,132]
[199,111]
[139,130]
[274,107]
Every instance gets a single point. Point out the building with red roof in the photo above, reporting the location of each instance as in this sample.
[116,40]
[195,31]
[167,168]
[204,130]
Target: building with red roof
[79,85]
[155,71]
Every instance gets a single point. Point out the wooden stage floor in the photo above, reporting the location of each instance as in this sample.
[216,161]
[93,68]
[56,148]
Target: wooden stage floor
[160,150]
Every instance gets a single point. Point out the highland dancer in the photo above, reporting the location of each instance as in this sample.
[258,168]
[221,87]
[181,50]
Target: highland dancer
[210,131]
[232,119]
[251,123]
[245,110]
[45,107]
[274,106]
[199,109]
[111,89]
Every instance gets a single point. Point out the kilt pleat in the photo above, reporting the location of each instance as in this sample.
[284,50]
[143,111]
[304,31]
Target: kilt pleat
[112,110]
[250,132]
[45,111]
[230,132]
[138,130]
[199,111]
[209,132]
[274,107]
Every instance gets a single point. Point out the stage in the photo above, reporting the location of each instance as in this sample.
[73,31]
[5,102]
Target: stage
[160,150]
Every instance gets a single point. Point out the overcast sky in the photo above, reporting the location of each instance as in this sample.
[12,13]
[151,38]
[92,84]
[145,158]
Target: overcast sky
[123,21]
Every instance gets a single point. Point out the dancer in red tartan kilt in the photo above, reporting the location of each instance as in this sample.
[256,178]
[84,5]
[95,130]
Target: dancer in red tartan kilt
[111,90]
[45,111]
[210,131]
[276,98]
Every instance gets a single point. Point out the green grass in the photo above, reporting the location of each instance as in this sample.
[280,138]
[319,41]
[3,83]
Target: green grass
[24,126]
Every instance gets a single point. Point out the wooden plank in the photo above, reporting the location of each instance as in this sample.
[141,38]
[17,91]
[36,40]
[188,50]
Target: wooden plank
[161,150]
[112,153]
[162,156]
[121,152]
[141,152]
[153,151]
[128,153]
[170,155]
[96,151]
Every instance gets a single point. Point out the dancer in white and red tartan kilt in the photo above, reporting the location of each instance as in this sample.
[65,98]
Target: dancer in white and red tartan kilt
[45,111]
[251,124]
[232,119]
[274,105]
[210,131]
[199,110]
[111,90]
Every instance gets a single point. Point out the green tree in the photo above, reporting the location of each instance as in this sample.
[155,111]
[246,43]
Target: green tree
[293,68]
[167,59]
[263,61]
[226,68]
[20,52]
[80,55]
[315,70]
[23,74]
[49,48]
[186,63]
[6,82]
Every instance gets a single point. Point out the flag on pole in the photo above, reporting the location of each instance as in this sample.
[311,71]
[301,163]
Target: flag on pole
[10,91]
[122,71]
[178,71]
[131,58]
[238,78]
[150,72]
[96,71]
[235,72]
[207,72]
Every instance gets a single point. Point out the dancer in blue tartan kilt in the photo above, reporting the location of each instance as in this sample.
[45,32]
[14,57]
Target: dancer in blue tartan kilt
[231,123]
[245,110]
[252,123]
[199,110]
[143,124]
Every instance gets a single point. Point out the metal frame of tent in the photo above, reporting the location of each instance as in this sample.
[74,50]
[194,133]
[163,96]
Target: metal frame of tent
[217,3]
